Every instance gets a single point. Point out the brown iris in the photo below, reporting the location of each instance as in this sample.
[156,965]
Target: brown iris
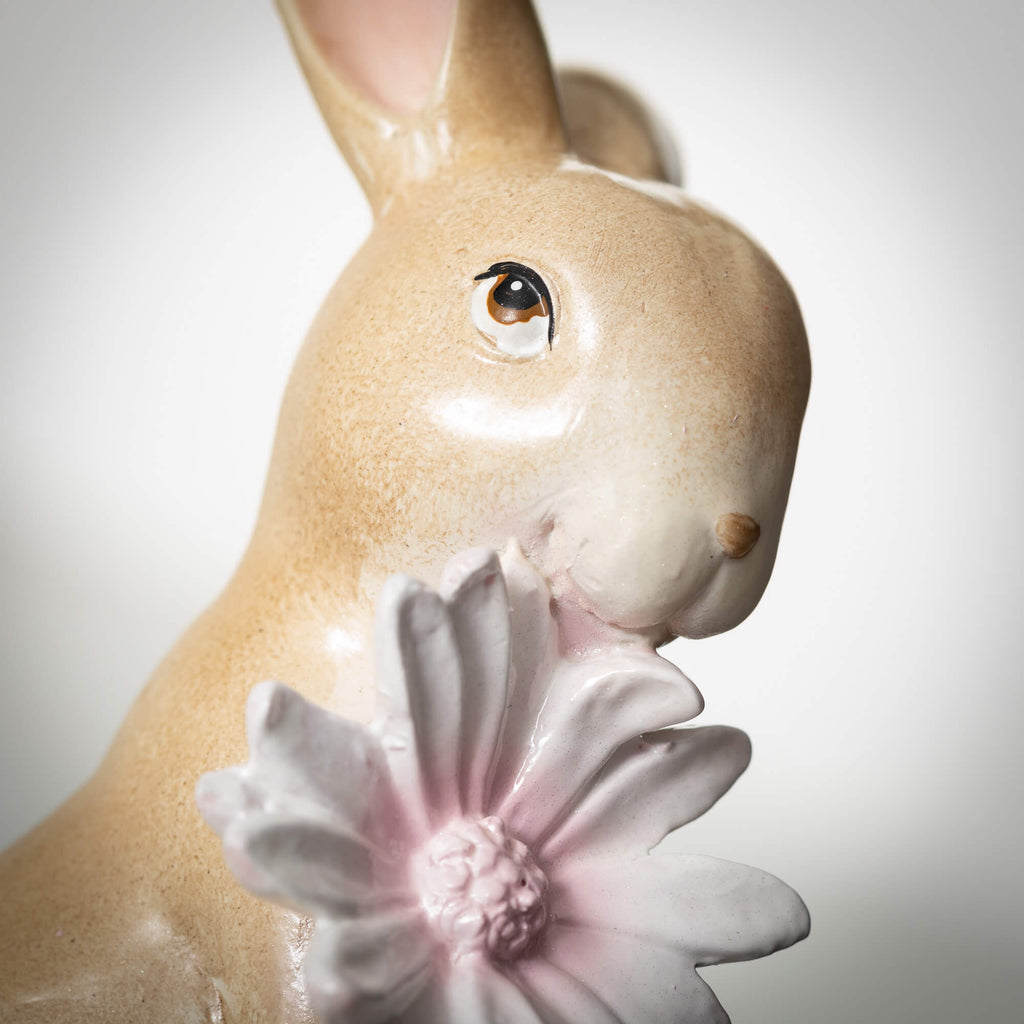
[517,296]
[508,298]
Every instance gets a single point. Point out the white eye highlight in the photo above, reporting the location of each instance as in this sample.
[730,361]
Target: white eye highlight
[511,307]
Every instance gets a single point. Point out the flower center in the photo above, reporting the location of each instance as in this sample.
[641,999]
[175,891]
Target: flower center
[482,889]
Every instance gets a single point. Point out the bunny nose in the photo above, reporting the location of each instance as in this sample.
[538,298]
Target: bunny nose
[737,534]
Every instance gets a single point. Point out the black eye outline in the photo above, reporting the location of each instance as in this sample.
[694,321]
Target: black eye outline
[533,279]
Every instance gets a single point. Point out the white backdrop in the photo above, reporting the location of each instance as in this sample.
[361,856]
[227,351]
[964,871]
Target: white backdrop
[172,211]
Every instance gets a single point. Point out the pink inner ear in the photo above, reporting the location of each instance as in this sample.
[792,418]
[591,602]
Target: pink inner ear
[388,50]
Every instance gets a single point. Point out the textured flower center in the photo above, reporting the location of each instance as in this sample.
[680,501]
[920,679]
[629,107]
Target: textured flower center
[482,889]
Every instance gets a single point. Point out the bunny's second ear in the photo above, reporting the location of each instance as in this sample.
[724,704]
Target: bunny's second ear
[408,87]
[611,127]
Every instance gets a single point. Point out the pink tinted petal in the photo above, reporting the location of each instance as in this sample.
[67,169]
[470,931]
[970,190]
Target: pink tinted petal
[474,589]
[419,698]
[368,970]
[223,796]
[714,910]
[533,655]
[477,993]
[592,708]
[305,759]
[651,786]
[560,996]
[639,983]
[307,864]
[531,623]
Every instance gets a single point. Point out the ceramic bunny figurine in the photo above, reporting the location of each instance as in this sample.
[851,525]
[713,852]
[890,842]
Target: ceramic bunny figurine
[531,344]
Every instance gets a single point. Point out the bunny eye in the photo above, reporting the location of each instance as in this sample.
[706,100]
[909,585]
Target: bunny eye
[511,307]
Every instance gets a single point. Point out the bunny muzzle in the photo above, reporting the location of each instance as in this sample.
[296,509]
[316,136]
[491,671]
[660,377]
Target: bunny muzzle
[658,569]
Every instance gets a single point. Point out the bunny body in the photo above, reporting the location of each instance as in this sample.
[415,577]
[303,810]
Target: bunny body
[668,400]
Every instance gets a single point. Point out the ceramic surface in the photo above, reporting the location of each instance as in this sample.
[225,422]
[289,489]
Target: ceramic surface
[626,456]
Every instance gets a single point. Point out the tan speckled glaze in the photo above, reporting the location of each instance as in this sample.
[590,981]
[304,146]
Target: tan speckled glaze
[671,397]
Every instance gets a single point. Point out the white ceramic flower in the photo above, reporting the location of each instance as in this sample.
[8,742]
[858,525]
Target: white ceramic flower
[480,853]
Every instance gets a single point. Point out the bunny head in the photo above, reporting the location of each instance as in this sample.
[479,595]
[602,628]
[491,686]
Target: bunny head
[532,343]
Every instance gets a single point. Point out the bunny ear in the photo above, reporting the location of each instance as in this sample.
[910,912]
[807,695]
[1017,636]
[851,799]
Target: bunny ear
[408,87]
[499,92]
[611,127]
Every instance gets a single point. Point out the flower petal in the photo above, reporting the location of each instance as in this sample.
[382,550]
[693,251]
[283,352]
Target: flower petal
[651,786]
[534,636]
[477,993]
[305,759]
[419,698]
[714,910]
[592,708]
[533,656]
[306,864]
[473,587]
[561,996]
[223,796]
[637,981]
[368,970]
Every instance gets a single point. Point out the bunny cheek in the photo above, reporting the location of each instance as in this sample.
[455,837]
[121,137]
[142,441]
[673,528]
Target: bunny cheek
[670,574]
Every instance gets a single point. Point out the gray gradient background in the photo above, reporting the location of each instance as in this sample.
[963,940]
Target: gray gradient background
[171,213]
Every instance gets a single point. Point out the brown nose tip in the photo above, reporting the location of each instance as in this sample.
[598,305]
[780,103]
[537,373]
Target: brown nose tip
[736,533]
